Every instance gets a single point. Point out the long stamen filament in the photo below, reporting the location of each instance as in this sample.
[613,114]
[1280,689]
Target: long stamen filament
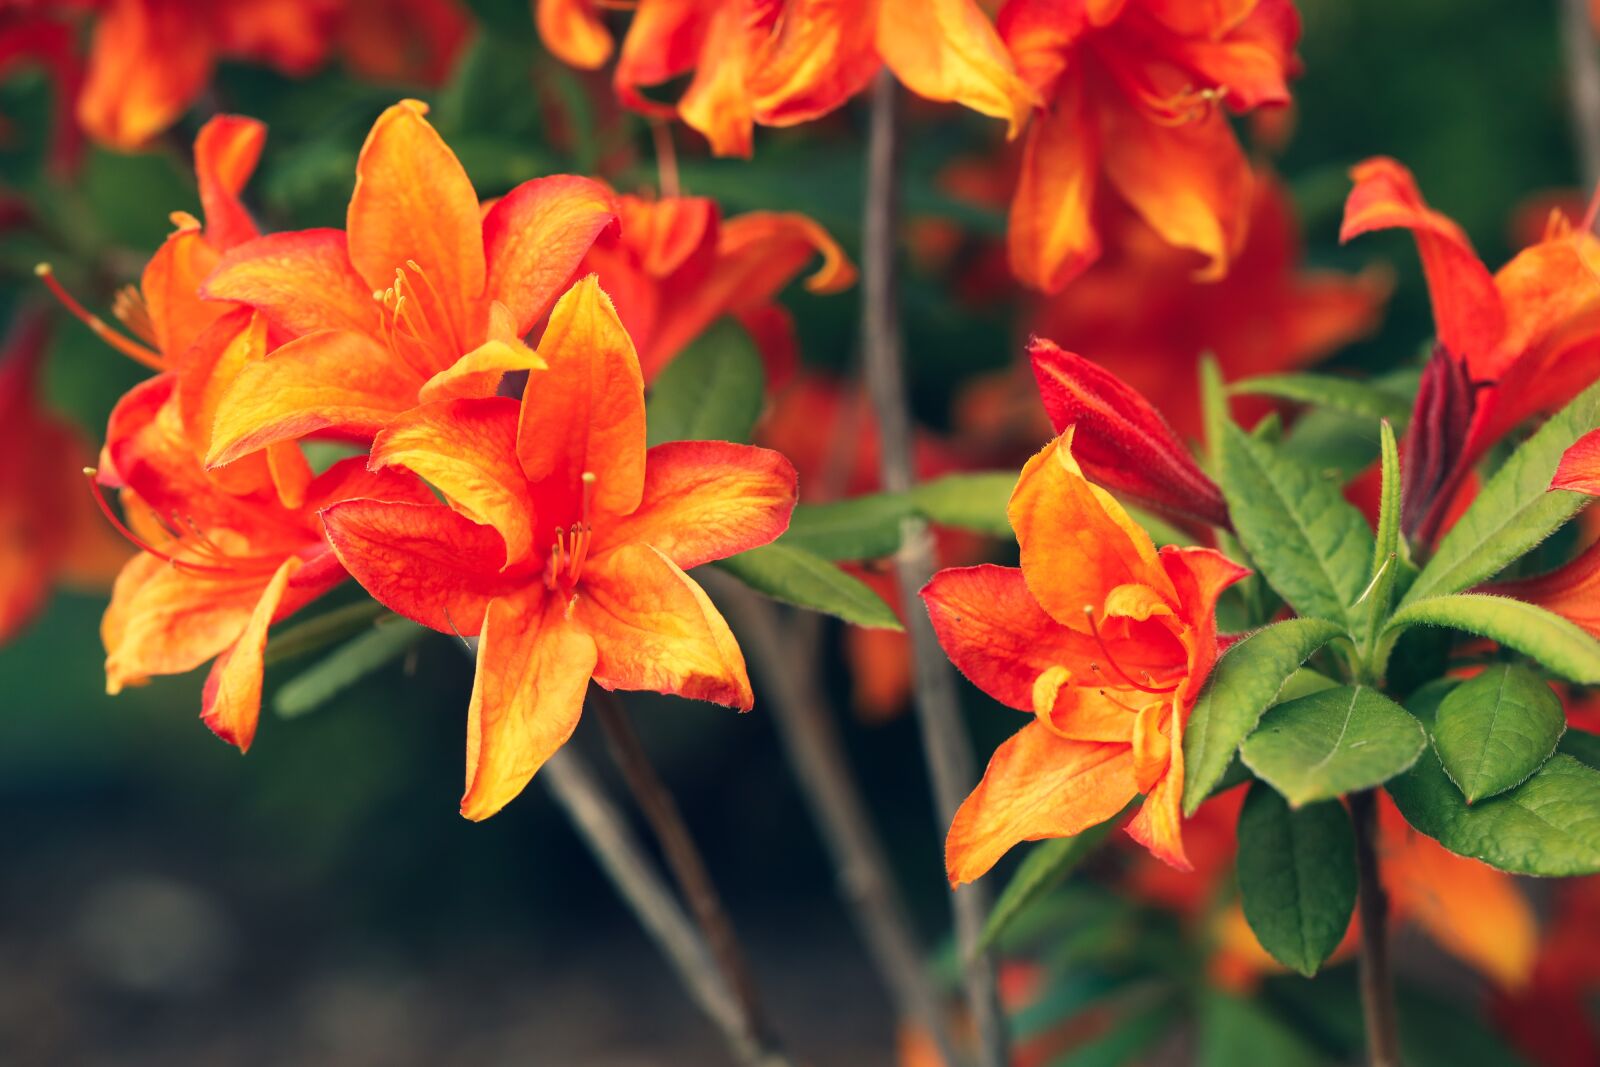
[1088,613]
[127,346]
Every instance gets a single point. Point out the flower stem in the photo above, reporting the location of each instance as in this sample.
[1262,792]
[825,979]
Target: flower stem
[1377,983]
[1583,85]
[815,751]
[687,866]
[948,750]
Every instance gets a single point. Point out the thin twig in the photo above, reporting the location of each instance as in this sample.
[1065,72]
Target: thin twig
[1583,85]
[812,743]
[946,746]
[1377,982]
[687,866]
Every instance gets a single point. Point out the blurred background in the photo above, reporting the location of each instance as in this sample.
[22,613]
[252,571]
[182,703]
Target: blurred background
[163,900]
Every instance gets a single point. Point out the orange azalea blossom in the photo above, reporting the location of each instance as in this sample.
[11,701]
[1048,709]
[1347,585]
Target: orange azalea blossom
[225,554]
[564,544]
[1130,92]
[675,266]
[149,60]
[1527,338]
[1105,640]
[48,528]
[1571,591]
[1142,315]
[784,62]
[424,296]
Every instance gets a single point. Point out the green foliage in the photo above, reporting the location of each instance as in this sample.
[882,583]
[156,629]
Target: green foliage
[323,630]
[1494,730]
[863,527]
[1515,510]
[808,581]
[1297,877]
[1236,1031]
[975,502]
[712,391]
[346,666]
[1312,546]
[1388,545]
[1323,390]
[1333,742]
[1047,865]
[1558,644]
[1245,683]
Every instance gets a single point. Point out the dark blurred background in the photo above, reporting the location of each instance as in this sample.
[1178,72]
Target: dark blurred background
[165,901]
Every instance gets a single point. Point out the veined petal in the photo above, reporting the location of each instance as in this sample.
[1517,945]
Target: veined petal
[1051,236]
[170,285]
[997,634]
[949,50]
[413,203]
[1080,713]
[302,281]
[350,479]
[231,704]
[706,500]
[1158,826]
[572,30]
[323,381]
[534,238]
[534,665]
[1467,311]
[656,629]
[1199,575]
[1037,785]
[424,561]
[467,449]
[1579,469]
[1077,543]
[585,414]
[225,155]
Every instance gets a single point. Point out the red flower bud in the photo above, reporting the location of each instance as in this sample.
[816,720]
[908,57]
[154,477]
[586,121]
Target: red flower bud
[1434,445]
[1122,442]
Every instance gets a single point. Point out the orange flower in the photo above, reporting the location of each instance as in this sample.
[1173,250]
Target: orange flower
[564,544]
[225,554]
[425,296]
[1130,91]
[48,528]
[676,266]
[784,62]
[149,60]
[1572,590]
[1105,640]
[1528,336]
[1140,313]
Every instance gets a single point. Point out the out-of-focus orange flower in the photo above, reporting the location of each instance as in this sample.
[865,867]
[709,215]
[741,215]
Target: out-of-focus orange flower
[1142,315]
[1571,591]
[1105,640]
[1548,1018]
[49,531]
[425,296]
[783,62]
[1130,92]
[224,554]
[564,544]
[149,60]
[675,266]
[1527,337]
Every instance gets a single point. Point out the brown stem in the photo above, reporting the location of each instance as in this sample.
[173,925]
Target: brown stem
[946,747]
[1377,982]
[687,866]
[1583,85]
[816,753]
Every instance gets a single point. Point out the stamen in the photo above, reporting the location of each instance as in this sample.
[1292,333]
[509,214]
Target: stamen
[138,542]
[1088,613]
[588,479]
[128,347]
[436,301]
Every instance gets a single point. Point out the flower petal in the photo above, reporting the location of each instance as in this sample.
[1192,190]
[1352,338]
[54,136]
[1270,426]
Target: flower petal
[1037,785]
[536,235]
[146,66]
[657,630]
[1051,236]
[170,286]
[706,500]
[302,281]
[1579,469]
[231,704]
[949,50]
[225,155]
[572,30]
[821,53]
[534,665]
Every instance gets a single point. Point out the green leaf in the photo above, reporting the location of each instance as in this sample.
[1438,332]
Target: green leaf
[1494,730]
[1297,877]
[1386,549]
[808,581]
[974,502]
[1047,865]
[1516,509]
[1323,390]
[1333,742]
[712,391]
[346,666]
[1548,825]
[1558,644]
[1215,412]
[1311,544]
[863,527]
[1244,684]
[1582,746]
[323,631]
[1234,1031]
